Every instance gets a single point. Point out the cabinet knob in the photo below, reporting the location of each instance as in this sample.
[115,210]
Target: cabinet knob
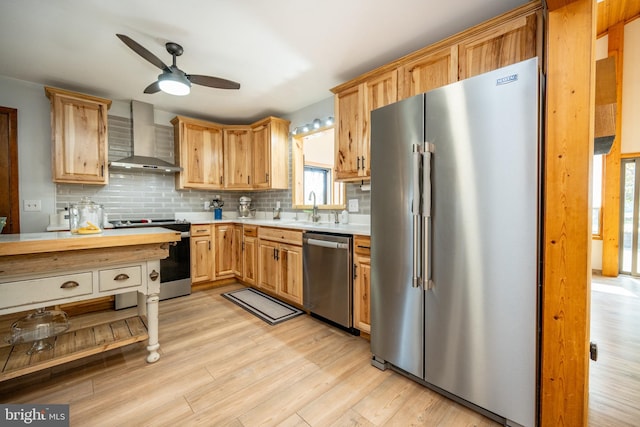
[120,277]
[154,275]
[69,284]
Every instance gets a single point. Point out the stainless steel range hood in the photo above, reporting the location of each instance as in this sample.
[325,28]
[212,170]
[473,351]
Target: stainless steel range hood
[144,140]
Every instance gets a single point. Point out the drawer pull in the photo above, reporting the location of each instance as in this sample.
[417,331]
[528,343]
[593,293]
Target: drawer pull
[364,247]
[69,284]
[154,275]
[121,277]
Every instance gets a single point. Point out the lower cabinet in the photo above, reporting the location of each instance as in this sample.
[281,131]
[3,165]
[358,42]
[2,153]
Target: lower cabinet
[223,264]
[280,263]
[250,255]
[362,283]
[201,253]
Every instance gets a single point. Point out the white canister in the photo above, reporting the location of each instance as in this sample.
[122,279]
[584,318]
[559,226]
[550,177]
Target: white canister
[344,217]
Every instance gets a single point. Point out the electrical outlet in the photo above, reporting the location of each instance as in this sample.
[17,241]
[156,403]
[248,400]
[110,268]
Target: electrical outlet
[207,205]
[353,205]
[32,205]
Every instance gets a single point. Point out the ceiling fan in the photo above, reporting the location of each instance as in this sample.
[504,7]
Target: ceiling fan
[173,80]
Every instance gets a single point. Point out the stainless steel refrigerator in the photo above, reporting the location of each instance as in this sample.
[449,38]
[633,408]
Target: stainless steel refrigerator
[455,201]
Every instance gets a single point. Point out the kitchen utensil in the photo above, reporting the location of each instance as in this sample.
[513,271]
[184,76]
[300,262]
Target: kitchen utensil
[244,208]
[3,222]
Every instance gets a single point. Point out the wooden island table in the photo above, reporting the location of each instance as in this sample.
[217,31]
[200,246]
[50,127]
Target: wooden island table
[45,269]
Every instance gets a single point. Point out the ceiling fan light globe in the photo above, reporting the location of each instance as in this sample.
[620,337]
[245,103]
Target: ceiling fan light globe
[174,85]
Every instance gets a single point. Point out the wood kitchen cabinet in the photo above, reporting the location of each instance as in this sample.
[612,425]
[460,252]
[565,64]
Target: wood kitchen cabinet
[353,107]
[510,42]
[199,151]
[501,41]
[223,251]
[201,253]
[237,261]
[79,137]
[428,72]
[238,158]
[362,283]
[280,263]
[270,140]
[250,255]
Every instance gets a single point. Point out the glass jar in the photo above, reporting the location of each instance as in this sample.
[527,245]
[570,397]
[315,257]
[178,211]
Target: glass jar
[86,217]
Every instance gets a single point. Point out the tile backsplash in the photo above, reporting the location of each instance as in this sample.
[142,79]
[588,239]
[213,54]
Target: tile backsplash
[141,194]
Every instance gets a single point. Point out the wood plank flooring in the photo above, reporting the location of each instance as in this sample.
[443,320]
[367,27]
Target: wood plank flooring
[614,380]
[221,366]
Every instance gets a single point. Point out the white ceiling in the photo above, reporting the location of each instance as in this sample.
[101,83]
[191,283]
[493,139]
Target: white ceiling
[286,54]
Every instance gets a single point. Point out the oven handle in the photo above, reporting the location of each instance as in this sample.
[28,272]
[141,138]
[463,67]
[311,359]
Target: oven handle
[185,234]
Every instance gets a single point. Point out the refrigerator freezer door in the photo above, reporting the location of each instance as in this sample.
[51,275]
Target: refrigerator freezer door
[481,313]
[397,329]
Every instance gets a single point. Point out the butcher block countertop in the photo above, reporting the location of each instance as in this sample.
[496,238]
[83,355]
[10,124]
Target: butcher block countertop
[31,243]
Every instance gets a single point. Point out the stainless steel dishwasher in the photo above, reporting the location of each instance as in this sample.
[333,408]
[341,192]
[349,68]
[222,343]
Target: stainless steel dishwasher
[328,279]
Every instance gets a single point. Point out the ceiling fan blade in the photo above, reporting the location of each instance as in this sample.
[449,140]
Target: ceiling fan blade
[140,50]
[213,82]
[153,87]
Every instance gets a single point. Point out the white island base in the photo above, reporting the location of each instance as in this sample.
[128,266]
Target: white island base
[45,272]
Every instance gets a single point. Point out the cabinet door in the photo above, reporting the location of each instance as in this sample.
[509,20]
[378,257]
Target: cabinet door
[506,44]
[361,299]
[223,265]
[237,155]
[378,92]
[267,265]
[349,105]
[79,134]
[261,155]
[201,157]
[429,72]
[290,260]
[250,267]
[237,261]
[201,259]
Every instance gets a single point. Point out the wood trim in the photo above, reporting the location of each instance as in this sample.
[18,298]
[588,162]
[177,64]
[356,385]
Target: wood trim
[566,276]
[13,219]
[611,182]
[629,155]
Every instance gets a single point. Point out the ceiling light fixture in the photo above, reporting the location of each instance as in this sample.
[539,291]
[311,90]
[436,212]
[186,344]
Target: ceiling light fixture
[174,84]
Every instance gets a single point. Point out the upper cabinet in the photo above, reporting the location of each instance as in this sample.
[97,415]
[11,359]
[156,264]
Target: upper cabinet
[352,107]
[215,156]
[512,37]
[270,153]
[506,44]
[79,137]
[199,151]
[238,158]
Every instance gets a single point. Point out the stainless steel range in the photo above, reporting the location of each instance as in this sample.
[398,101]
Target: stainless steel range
[175,271]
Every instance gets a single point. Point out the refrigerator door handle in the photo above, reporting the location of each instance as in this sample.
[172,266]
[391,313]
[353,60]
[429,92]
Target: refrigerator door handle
[426,216]
[417,217]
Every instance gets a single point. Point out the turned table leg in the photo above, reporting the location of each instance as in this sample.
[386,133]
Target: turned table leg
[152,320]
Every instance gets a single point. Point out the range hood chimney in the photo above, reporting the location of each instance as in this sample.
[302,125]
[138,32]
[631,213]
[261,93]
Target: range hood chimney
[144,140]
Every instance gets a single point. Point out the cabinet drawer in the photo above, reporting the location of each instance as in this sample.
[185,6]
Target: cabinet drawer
[118,278]
[251,230]
[362,245]
[46,289]
[200,230]
[279,235]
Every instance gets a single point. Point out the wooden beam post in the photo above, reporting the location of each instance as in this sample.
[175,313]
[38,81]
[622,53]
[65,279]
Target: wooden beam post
[611,196]
[567,213]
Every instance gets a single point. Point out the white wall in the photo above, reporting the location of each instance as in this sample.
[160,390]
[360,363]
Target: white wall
[34,149]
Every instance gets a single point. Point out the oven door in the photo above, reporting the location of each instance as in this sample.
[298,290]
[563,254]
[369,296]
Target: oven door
[175,275]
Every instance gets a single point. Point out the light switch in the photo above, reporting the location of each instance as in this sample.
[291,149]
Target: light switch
[353,205]
[32,205]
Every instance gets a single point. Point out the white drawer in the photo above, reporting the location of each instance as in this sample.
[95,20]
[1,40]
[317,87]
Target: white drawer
[46,289]
[118,278]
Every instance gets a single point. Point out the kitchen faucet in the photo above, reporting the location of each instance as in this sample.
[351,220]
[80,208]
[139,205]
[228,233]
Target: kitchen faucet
[314,217]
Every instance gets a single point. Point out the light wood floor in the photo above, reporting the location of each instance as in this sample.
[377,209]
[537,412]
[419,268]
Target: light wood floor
[614,380]
[221,366]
